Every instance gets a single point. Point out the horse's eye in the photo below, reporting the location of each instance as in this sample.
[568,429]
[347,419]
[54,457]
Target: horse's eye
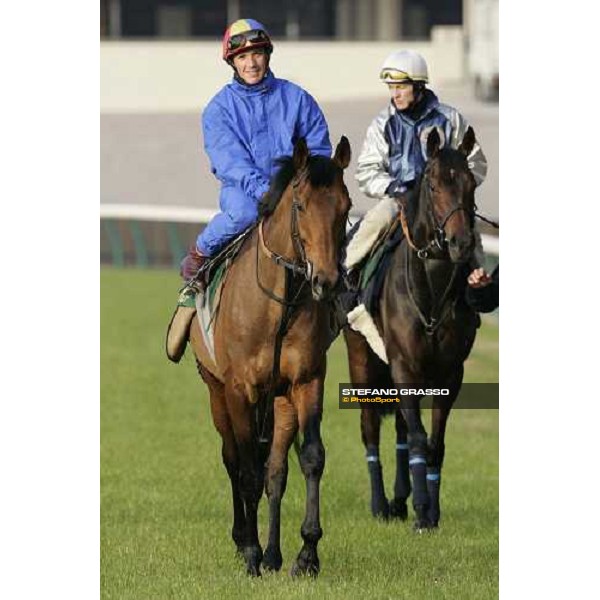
[300,207]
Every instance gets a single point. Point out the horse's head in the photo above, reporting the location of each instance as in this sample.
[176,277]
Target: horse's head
[320,207]
[448,196]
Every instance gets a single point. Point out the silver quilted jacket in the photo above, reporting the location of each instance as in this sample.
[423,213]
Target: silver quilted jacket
[394,147]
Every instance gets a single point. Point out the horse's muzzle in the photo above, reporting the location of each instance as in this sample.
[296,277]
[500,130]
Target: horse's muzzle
[323,287]
[460,249]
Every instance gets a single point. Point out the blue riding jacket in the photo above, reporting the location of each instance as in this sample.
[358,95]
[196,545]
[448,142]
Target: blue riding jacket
[245,129]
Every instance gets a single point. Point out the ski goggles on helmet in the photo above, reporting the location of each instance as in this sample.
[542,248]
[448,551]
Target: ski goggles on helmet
[395,76]
[253,37]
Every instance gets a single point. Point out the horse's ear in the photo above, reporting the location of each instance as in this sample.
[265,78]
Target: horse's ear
[342,153]
[301,155]
[433,143]
[468,142]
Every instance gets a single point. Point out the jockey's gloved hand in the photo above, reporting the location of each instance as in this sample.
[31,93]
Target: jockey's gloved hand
[191,263]
[397,188]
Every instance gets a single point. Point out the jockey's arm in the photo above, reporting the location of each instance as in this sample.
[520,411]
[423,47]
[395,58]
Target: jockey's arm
[313,127]
[231,162]
[372,169]
[476,159]
[478,166]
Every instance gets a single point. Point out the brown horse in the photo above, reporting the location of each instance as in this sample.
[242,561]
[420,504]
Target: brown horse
[427,328]
[272,305]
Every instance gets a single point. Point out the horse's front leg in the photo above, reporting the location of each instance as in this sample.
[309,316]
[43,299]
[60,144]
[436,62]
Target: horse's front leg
[308,400]
[366,368]
[370,428]
[286,426]
[251,474]
[417,444]
[417,461]
[398,508]
[439,417]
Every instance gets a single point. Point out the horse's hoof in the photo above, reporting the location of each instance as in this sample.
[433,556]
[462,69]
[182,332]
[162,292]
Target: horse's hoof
[307,564]
[272,559]
[423,525]
[398,509]
[253,556]
[380,509]
[300,569]
[253,571]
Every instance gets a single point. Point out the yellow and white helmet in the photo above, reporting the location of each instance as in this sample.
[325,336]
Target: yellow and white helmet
[404,65]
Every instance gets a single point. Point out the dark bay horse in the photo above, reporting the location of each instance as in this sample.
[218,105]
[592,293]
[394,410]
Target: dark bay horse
[427,328]
[278,282]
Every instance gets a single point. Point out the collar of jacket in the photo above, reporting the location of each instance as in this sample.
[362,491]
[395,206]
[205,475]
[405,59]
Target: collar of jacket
[428,104]
[262,87]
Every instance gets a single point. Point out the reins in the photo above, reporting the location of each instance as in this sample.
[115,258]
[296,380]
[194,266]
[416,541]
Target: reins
[437,314]
[441,309]
[304,268]
[291,269]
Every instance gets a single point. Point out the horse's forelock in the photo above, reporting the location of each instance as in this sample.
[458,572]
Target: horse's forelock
[322,172]
[451,162]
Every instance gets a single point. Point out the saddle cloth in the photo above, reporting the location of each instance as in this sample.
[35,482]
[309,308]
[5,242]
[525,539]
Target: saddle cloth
[207,302]
[372,275]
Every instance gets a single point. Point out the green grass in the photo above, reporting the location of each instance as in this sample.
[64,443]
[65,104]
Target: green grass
[165,499]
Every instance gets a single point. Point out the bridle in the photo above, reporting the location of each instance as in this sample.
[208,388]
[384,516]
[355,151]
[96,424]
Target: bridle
[438,243]
[432,249]
[302,267]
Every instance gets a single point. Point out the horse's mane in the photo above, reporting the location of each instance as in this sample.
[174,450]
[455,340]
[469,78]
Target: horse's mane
[321,173]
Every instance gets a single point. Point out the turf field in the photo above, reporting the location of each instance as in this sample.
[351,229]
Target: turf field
[165,497]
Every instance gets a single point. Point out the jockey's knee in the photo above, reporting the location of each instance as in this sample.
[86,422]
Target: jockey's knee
[241,211]
[242,216]
[374,223]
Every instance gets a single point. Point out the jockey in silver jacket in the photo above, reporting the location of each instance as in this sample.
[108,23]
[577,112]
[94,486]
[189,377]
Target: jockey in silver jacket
[393,155]
[391,163]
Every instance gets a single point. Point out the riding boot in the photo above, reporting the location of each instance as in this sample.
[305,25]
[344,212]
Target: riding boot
[179,327]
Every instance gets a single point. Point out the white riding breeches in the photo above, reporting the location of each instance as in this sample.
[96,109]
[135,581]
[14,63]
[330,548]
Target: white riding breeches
[374,223]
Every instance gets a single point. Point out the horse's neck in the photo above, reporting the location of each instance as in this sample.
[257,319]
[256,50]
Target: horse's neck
[422,230]
[278,227]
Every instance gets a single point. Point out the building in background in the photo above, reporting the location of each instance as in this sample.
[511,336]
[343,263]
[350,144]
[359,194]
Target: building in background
[481,39]
[288,19]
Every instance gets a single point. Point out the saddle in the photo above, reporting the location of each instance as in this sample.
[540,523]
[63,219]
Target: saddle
[374,269]
[192,300]
[215,276]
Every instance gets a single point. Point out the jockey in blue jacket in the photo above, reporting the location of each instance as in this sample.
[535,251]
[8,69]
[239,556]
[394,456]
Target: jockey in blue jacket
[252,121]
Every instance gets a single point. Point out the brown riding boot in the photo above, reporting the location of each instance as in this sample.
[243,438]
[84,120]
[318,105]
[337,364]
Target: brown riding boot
[178,331]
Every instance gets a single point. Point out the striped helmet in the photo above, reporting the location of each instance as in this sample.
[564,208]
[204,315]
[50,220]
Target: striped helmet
[244,35]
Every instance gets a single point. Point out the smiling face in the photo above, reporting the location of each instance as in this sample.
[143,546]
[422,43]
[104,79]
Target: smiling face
[251,66]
